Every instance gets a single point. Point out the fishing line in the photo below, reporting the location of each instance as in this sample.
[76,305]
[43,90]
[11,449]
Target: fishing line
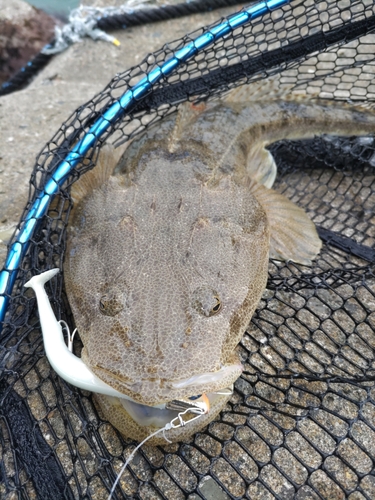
[70,336]
[312,324]
[170,425]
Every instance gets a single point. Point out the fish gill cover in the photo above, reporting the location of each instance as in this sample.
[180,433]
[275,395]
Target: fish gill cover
[301,422]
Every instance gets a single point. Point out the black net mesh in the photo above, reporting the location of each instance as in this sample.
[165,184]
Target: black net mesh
[301,423]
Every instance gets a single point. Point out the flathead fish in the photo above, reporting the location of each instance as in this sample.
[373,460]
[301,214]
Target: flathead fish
[168,252]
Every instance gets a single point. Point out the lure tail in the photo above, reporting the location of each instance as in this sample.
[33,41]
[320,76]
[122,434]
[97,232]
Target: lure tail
[39,281]
[65,363]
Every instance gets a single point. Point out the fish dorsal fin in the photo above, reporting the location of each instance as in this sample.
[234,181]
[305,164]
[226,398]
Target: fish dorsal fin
[187,113]
[293,235]
[95,178]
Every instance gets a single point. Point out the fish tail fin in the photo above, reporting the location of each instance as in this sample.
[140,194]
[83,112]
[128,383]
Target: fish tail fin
[264,123]
[305,119]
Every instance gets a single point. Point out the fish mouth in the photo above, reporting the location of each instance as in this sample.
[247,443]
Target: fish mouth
[77,373]
[205,389]
[178,421]
[157,417]
[152,391]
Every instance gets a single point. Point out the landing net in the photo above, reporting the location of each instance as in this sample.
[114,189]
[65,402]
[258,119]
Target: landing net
[301,423]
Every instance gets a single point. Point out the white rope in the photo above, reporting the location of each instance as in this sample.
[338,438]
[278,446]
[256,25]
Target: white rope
[82,22]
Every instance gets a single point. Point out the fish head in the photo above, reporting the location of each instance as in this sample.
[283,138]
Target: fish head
[162,283]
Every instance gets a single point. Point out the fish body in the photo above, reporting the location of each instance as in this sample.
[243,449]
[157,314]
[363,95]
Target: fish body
[168,252]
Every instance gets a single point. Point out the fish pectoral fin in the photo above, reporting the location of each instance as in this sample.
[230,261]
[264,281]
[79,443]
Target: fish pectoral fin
[107,160]
[293,235]
[261,166]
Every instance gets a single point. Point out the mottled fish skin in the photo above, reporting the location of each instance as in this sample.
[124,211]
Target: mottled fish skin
[167,258]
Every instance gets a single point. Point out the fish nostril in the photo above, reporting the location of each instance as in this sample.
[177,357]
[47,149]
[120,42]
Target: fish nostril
[216,308]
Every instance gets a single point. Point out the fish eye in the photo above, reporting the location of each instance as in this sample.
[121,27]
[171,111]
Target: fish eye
[216,308]
[109,305]
[193,398]
[206,301]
